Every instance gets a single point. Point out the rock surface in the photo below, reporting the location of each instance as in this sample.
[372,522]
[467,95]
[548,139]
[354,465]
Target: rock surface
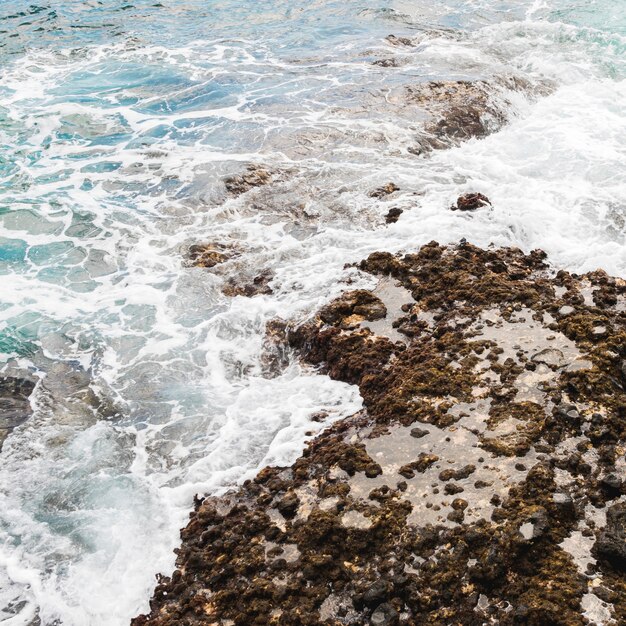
[254,176]
[208,255]
[474,486]
[456,111]
[14,403]
[471,202]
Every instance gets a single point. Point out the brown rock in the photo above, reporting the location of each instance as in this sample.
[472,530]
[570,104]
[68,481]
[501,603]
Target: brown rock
[383,191]
[393,215]
[471,202]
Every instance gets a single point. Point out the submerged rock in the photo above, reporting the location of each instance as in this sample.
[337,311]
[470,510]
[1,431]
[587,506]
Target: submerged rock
[392,62]
[254,176]
[460,110]
[470,487]
[394,40]
[210,254]
[207,255]
[244,286]
[385,190]
[15,405]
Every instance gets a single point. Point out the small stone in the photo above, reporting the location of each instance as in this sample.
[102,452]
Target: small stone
[255,176]
[407,472]
[564,504]
[394,40]
[424,461]
[552,357]
[383,191]
[384,615]
[386,62]
[470,202]
[418,433]
[611,543]
[452,489]
[393,215]
[612,482]
[452,474]
[456,516]
[288,505]
[376,593]
[371,471]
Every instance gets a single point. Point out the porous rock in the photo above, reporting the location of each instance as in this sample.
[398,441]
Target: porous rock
[340,537]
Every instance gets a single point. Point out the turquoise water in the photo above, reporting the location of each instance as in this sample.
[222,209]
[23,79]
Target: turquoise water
[118,123]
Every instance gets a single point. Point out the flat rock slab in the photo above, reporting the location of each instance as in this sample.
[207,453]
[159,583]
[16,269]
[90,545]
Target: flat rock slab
[474,486]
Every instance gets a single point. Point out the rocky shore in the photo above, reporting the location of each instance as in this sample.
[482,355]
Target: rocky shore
[481,484]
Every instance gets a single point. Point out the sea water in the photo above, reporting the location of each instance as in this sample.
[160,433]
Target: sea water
[119,121]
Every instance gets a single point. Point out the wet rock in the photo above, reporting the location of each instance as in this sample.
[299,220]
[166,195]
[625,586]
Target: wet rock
[424,461]
[208,255]
[385,190]
[565,505]
[393,215]
[460,474]
[259,285]
[552,357]
[471,202]
[612,484]
[385,615]
[460,110]
[394,40]
[255,176]
[376,594]
[15,405]
[536,525]
[611,543]
[354,306]
[392,62]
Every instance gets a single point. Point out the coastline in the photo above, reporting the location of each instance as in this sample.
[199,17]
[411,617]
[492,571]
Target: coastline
[481,481]
[214,240]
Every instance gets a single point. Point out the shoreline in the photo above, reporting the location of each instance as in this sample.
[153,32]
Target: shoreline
[475,483]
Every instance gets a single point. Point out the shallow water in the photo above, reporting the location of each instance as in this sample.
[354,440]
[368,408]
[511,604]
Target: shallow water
[118,122]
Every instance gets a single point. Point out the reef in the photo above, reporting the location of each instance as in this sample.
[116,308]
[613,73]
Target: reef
[482,483]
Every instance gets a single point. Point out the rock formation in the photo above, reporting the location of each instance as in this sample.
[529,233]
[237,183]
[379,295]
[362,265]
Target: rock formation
[479,485]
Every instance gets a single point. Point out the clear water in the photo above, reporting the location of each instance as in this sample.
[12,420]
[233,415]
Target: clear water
[119,119]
